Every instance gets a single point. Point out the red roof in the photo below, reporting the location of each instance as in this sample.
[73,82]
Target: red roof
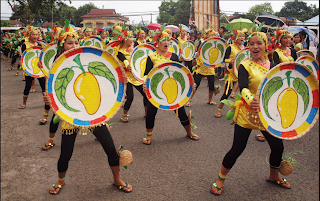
[103,13]
[46,24]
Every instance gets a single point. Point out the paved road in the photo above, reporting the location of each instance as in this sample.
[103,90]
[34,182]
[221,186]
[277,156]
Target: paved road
[173,167]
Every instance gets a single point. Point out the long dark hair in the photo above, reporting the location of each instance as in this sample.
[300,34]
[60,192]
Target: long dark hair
[306,37]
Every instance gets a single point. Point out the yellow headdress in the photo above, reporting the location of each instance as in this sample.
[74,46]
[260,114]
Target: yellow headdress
[168,31]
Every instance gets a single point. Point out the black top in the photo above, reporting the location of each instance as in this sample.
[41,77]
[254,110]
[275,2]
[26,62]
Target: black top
[276,59]
[24,47]
[121,57]
[149,64]
[243,76]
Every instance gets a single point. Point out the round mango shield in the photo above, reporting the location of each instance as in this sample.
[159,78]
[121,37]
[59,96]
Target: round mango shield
[169,85]
[47,56]
[30,59]
[240,57]
[110,47]
[304,53]
[93,41]
[211,52]
[86,86]
[138,60]
[289,100]
[311,63]
[188,50]
[175,47]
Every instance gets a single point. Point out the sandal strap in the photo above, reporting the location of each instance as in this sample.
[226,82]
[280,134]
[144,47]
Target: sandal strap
[215,185]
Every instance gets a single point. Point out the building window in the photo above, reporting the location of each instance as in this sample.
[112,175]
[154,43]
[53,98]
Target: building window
[215,7]
[110,24]
[99,25]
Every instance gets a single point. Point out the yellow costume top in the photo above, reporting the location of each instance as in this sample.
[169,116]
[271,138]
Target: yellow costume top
[231,76]
[203,70]
[158,58]
[284,56]
[125,64]
[181,41]
[141,42]
[244,115]
[28,45]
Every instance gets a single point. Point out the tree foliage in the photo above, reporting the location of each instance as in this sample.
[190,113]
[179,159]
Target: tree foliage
[6,23]
[260,9]
[182,14]
[29,11]
[299,10]
[167,10]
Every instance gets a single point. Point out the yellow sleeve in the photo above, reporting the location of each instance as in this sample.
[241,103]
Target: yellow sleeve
[126,63]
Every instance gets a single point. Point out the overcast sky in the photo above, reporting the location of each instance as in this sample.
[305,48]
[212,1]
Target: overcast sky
[148,7]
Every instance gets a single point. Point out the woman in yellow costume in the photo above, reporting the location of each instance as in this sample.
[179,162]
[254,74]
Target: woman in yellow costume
[283,52]
[87,32]
[251,72]
[123,53]
[169,32]
[141,38]
[69,39]
[201,70]
[229,57]
[181,39]
[32,37]
[162,55]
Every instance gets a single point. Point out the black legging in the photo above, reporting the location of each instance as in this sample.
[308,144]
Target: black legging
[53,127]
[130,96]
[198,77]
[14,59]
[224,95]
[240,140]
[152,111]
[105,139]
[189,65]
[42,82]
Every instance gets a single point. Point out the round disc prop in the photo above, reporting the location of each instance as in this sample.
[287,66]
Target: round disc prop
[188,50]
[311,63]
[86,86]
[47,56]
[30,59]
[240,57]
[175,47]
[138,60]
[289,100]
[93,41]
[110,47]
[304,53]
[169,85]
[211,52]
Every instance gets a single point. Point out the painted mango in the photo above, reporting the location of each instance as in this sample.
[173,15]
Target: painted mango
[34,63]
[143,66]
[170,89]
[213,55]
[87,90]
[187,51]
[287,106]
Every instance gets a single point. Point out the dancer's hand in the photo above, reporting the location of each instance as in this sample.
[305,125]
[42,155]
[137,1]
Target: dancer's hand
[255,105]
[144,87]
[129,68]
[46,98]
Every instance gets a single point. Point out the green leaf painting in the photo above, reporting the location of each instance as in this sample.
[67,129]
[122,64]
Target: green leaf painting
[87,43]
[154,83]
[175,49]
[184,45]
[271,87]
[97,44]
[205,47]
[136,56]
[191,48]
[60,86]
[239,59]
[301,87]
[220,47]
[98,68]
[47,57]
[28,56]
[110,51]
[179,77]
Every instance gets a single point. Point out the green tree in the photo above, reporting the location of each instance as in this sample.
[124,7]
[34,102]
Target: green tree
[32,11]
[182,13]
[82,10]
[6,23]
[259,9]
[167,10]
[299,10]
